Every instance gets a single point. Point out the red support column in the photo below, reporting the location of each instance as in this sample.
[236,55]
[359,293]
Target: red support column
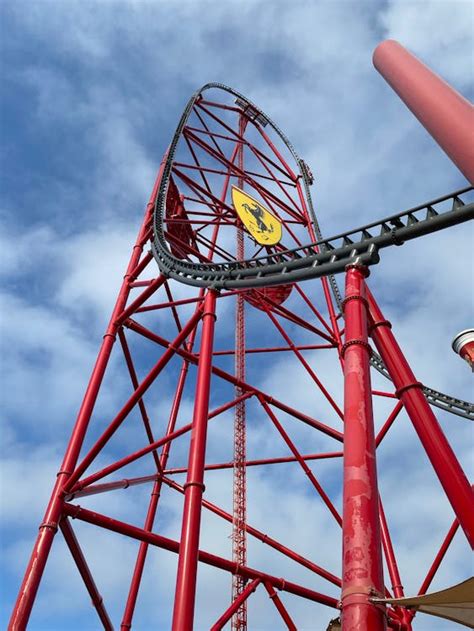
[185,594]
[153,505]
[49,526]
[444,113]
[410,392]
[362,554]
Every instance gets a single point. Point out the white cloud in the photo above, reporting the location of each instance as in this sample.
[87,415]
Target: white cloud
[437,31]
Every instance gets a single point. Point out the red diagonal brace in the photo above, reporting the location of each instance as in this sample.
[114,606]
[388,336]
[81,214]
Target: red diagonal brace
[84,571]
[410,392]
[229,612]
[281,607]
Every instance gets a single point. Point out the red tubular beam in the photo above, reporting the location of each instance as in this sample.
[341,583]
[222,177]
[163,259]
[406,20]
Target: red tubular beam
[388,423]
[325,429]
[141,403]
[439,557]
[264,538]
[313,309]
[362,574]
[280,607]
[83,484]
[306,365]
[435,565]
[96,489]
[185,594]
[143,297]
[84,571]
[167,305]
[227,615]
[91,517]
[278,349]
[437,448]
[133,400]
[444,113]
[153,505]
[397,586]
[49,526]
[310,475]
[256,463]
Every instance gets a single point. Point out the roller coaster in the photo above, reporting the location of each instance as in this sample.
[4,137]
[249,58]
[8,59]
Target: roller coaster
[227,158]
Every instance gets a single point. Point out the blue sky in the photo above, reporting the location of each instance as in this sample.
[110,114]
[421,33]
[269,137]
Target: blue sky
[91,95]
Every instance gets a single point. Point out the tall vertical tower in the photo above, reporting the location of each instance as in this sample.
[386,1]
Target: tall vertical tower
[239,536]
[312,380]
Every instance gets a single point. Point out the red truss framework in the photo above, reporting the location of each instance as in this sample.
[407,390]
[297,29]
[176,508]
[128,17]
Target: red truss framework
[191,369]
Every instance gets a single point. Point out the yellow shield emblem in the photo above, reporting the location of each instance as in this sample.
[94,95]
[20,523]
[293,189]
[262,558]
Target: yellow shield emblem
[264,227]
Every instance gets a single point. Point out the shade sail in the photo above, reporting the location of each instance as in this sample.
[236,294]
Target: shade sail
[455,603]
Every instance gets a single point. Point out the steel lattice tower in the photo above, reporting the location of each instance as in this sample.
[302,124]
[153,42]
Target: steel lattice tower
[231,225]
[239,538]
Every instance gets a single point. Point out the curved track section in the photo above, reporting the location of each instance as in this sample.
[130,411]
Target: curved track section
[177,258]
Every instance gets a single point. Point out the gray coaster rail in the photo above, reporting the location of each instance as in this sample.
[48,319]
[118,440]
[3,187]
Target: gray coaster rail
[326,256]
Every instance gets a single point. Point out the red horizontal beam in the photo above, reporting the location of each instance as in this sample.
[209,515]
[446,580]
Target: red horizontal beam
[264,538]
[193,359]
[97,519]
[279,349]
[265,461]
[151,447]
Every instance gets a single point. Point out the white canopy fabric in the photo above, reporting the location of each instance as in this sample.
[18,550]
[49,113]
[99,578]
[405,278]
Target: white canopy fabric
[455,603]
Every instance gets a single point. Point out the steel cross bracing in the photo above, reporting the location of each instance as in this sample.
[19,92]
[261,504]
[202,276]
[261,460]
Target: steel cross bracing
[322,258]
[239,535]
[173,328]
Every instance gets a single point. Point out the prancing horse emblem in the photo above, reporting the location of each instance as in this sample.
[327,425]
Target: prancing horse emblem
[264,227]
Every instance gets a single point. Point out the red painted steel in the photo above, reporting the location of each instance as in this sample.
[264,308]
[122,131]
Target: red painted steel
[392,566]
[262,297]
[467,353]
[280,607]
[439,557]
[77,512]
[134,399]
[446,115]
[262,461]
[200,223]
[264,538]
[390,559]
[409,615]
[297,414]
[236,605]
[362,574]
[239,494]
[185,594]
[410,392]
[153,506]
[85,482]
[49,525]
[85,573]
[309,474]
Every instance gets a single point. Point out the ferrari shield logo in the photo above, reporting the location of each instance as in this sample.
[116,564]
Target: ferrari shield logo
[264,227]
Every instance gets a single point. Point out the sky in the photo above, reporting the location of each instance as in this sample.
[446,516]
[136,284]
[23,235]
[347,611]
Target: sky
[92,92]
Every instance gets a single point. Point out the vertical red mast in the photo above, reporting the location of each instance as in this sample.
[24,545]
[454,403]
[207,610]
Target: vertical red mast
[239,540]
